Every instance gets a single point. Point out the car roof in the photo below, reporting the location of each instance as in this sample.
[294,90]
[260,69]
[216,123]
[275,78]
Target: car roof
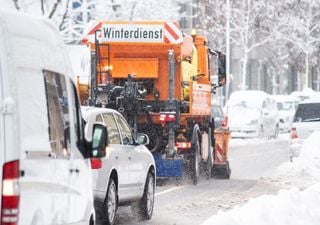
[255,96]
[286,98]
[310,100]
[89,110]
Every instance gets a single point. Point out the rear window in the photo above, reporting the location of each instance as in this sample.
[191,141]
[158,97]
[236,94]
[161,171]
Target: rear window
[307,113]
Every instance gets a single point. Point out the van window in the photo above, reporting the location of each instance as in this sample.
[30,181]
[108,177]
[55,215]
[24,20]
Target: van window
[58,113]
[113,133]
[125,131]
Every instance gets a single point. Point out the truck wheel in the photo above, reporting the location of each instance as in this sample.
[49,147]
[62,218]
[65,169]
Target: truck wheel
[146,204]
[195,171]
[110,203]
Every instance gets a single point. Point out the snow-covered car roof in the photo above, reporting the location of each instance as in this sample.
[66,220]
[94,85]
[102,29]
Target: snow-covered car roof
[310,100]
[306,93]
[286,98]
[253,96]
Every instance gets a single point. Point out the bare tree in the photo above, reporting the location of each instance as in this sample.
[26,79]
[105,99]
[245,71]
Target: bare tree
[303,31]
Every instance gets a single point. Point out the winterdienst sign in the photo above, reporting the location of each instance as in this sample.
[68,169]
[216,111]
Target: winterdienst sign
[132,33]
[137,32]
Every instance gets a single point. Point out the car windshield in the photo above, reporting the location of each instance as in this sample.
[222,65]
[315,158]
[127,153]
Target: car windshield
[308,113]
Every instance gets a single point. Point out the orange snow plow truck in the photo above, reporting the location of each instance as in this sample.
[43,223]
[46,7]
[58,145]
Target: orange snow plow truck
[162,81]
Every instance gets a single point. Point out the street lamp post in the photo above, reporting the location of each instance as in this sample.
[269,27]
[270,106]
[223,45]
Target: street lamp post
[227,49]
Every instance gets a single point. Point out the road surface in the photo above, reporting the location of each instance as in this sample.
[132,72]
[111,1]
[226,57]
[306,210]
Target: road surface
[186,204]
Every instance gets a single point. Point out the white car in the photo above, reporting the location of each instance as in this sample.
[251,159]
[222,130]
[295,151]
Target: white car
[305,122]
[252,113]
[127,172]
[45,174]
[287,106]
[305,94]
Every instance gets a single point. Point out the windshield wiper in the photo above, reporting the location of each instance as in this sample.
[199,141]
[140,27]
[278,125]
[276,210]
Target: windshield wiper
[311,120]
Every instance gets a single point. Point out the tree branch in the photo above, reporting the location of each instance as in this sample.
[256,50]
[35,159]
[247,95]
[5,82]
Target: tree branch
[64,15]
[16,4]
[54,8]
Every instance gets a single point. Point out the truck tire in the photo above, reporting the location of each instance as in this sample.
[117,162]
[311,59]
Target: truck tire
[110,205]
[195,161]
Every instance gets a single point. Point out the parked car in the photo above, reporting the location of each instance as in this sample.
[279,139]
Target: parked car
[306,121]
[287,106]
[252,113]
[305,94]
[217,112]
[127,172]
[44,158]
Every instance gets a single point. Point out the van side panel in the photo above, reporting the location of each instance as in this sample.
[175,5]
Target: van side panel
[50,182]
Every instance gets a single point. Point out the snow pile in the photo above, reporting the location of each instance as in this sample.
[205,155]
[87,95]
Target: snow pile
[304,170]
[288,207]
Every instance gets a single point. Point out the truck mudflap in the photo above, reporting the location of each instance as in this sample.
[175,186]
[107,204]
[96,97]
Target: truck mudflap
[221,168]
[172,167]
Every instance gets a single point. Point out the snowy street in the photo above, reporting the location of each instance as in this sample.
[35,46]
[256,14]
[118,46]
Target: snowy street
[187,204]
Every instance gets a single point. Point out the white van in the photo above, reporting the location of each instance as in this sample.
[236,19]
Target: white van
[45,178]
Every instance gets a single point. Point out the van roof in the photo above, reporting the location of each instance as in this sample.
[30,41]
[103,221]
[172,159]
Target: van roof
[20,29]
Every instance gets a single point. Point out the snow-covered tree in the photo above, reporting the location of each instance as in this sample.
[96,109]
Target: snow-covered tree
[302,30]
[130,10]
[73,16]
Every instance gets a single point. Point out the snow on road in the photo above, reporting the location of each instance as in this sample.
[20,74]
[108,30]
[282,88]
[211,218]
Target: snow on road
[296,204]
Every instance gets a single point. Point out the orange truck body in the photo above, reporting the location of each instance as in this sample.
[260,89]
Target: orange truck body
[150,61]
[141,49]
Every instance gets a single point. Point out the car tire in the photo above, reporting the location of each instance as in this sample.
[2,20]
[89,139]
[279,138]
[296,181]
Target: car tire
[145,206]
[110,205]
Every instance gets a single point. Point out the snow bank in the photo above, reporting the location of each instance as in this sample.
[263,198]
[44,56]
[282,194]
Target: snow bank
[288,207]
[304,170]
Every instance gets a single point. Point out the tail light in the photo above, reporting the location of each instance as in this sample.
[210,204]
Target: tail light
[183,145]
[167,117]
[96,163]
[10,193]
[293,133]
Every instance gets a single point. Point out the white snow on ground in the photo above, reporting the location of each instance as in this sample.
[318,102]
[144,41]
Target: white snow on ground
[297,206]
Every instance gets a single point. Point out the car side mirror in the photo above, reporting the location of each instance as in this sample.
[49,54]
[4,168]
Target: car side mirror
[142,139]
[99,141]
